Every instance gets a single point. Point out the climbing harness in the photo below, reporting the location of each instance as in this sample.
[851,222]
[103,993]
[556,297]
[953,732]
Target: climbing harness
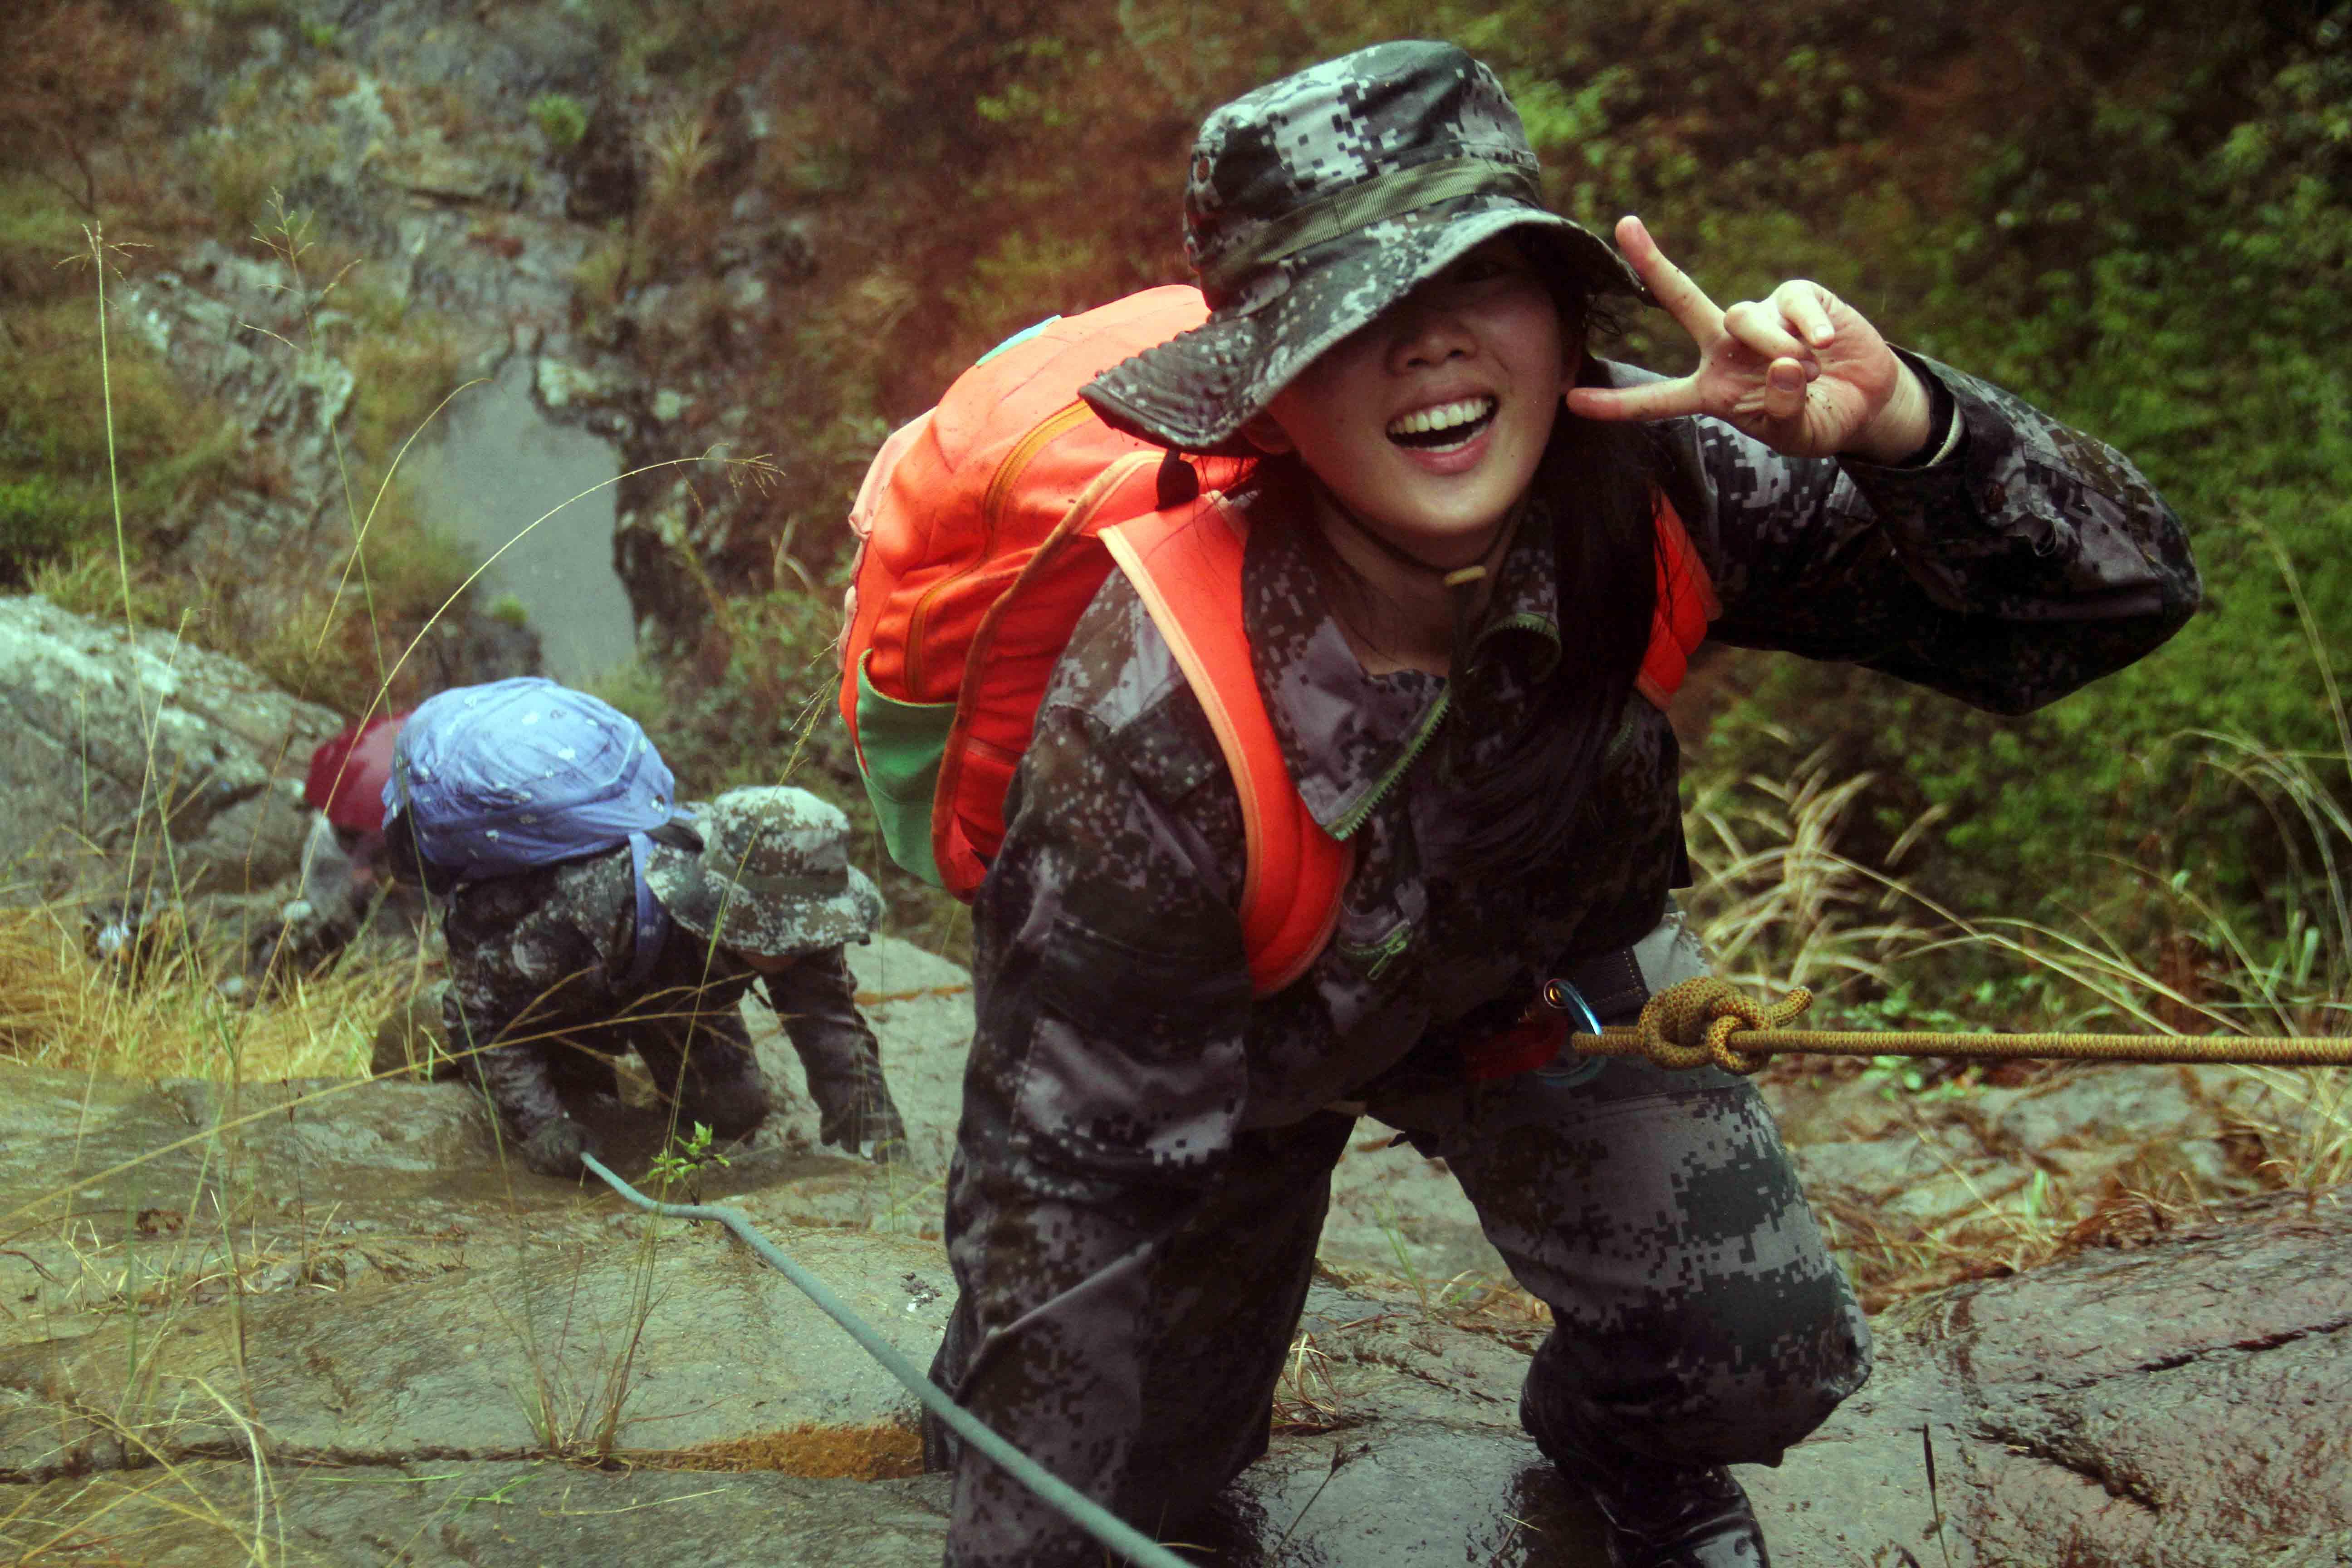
[1704,1022]
[1080,1509]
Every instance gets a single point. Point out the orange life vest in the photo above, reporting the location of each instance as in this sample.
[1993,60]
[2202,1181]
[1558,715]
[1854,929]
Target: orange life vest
[989,522]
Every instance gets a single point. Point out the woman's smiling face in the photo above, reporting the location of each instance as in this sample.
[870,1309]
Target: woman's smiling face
[1428,423]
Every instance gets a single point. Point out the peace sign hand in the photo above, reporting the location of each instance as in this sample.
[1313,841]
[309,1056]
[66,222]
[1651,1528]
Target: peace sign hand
[1801,371]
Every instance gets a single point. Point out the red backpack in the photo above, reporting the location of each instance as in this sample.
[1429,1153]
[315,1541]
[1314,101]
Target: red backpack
[987,523]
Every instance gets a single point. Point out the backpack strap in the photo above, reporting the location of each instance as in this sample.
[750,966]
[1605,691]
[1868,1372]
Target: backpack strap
[1186,563]
[653,921]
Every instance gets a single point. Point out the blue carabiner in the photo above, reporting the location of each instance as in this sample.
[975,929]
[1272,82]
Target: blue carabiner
[1571,1068]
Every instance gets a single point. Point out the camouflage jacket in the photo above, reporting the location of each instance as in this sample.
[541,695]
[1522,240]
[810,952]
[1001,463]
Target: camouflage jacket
[547,952]
[2027,561]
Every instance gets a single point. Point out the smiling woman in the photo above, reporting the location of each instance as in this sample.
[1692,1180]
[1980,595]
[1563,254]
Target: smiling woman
[1430,421]
[1461,530]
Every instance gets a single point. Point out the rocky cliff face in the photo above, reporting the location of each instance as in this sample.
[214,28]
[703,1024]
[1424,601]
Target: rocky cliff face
[275,550]
[414,143]
[140,763]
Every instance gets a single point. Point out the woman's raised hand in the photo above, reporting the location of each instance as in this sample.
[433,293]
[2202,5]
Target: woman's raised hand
[1801,371]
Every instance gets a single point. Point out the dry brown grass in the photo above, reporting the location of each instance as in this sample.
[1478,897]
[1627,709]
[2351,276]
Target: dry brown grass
[1777,902]
[1781,905]
[1307,1399]
[61,1008]
[2021,1226]
[877,1451]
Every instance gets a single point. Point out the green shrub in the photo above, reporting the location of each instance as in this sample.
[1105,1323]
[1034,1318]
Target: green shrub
[561,118]
[89,581]
[171,450]
[37,519]
[38,230]
[2198,328]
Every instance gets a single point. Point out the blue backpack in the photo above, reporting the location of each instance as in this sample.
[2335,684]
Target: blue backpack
[524,772]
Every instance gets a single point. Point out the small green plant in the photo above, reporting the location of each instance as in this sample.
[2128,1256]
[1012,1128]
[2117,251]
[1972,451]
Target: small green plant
[509,609]
[86,583]
[682,1163]
[561,118]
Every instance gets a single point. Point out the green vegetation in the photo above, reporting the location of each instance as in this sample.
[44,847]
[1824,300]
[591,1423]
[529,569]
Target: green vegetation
[561,118]
[680,1166]
[86,437]
[171,451]
[2163,261]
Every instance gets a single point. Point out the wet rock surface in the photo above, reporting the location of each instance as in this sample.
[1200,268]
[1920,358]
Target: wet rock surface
[2182,1403]
[439,1361]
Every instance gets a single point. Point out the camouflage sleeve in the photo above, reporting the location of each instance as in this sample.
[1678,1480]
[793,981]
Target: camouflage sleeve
[2029,562]
[512,961]
[1113,978]
[816,1002]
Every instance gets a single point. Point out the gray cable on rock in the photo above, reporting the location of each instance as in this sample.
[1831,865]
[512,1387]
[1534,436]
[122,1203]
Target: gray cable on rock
[1079,1509]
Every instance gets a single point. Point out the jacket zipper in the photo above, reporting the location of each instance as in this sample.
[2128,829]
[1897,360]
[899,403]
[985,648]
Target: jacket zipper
[991,501]
[1354,818]
[1374,958]
[1355,814]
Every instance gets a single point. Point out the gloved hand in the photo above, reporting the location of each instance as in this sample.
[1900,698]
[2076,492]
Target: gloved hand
[857,1116]
[555,1147]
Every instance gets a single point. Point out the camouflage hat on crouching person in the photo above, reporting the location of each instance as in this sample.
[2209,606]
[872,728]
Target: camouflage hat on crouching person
[1318,202]
[773,877]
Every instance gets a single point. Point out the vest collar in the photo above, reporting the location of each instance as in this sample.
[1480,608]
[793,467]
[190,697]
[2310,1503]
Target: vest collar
[1350,736]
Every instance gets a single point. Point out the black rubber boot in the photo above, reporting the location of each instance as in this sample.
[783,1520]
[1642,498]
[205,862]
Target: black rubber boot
[1659,1516]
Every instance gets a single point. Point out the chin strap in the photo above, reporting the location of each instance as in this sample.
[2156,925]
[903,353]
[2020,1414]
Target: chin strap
[1463,583]
[1461,588]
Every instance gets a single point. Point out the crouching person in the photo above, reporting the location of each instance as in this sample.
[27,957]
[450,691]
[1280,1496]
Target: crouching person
[587,915]
[771,896]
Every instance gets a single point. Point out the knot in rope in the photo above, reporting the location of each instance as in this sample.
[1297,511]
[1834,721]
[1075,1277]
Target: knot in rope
[1691,1024]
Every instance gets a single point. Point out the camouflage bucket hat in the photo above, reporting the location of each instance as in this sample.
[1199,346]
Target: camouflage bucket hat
[773,877]
[1319,201]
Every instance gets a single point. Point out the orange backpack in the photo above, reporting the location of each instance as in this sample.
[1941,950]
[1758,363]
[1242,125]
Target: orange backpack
[989,522]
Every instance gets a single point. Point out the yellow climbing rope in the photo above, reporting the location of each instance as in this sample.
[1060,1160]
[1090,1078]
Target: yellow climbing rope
[1705,1021]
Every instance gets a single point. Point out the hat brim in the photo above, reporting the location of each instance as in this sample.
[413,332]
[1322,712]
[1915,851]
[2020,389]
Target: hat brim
[1197,391]
[702,904]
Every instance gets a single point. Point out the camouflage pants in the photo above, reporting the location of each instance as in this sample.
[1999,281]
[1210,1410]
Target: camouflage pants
[1699,1319]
